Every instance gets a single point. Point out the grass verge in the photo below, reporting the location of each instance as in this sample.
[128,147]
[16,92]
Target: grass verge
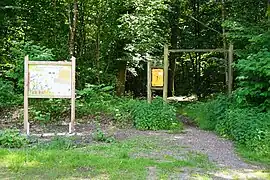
[130,159]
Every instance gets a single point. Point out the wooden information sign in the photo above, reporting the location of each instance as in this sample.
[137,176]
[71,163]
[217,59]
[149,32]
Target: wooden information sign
[157,77]
[48,79]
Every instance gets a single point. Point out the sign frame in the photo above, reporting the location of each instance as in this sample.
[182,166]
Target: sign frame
[72,64]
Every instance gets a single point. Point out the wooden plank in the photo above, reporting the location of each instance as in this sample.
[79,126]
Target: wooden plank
[73,71]
[157,88]
[230,71]
[149,91]
[156,67]
[48,96]
[166,69]
[198,50]
[26,84]
[62,63]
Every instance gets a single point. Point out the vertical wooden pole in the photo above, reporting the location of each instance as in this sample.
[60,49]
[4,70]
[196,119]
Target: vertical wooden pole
[166,69]
[230,71]
[224,43]
[73,71]
[26,86]
[149,81]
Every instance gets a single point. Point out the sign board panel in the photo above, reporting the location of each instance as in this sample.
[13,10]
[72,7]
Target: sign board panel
[157,77]
[50,81]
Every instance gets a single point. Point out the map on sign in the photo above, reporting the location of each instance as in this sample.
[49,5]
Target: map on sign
[157,77]
[46,81]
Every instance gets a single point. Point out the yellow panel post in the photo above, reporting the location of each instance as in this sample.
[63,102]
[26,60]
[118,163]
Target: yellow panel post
[166,67]
[149,91]
[230,70]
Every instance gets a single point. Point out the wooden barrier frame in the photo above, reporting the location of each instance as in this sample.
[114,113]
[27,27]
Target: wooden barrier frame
[26,89]
[230,51]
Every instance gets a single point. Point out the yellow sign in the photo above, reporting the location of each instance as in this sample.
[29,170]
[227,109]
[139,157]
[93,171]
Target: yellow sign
[49,80]
[157,77]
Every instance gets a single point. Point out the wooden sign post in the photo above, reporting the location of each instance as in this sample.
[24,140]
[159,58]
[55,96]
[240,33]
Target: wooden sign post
[49,79]
[166,72]
[157,77]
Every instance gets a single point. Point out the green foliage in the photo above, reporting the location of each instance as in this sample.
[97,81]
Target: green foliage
[7,95]
[155,116]
[99,135]
[14,70]
[98,99]
[11,138]
[207,114]
[94,98]
[57,142]
[50,110]
[248,127]
[130,156]
[254,75]
[12,73]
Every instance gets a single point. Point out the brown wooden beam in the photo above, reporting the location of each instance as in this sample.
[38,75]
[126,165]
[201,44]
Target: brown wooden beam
[198,50]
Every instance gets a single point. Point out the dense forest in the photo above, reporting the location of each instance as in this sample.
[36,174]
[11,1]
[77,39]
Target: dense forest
[112,41]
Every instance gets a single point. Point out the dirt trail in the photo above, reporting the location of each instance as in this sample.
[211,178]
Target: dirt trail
[219,151]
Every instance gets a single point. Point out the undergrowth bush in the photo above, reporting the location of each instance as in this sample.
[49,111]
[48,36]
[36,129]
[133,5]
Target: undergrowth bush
[50,110]
[95,98]
[207,114]
[247,126]
[57,142]
[12,138]
[7,95]
[100,136]
[155,116]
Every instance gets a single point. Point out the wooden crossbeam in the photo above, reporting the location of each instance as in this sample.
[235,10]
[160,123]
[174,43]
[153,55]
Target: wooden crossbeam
[198,50]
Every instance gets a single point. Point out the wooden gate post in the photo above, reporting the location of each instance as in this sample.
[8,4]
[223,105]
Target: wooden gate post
[149,79]
[166,68]
[230,70]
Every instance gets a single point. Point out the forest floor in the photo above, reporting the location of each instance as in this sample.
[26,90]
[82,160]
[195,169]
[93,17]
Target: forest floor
[191,154]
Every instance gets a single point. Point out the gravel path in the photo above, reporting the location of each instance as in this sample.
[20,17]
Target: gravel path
[219,150]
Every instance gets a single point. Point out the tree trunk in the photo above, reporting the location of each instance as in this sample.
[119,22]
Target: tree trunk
[73,29]
[98,55]
[224,43]
[174,41]
[121,78]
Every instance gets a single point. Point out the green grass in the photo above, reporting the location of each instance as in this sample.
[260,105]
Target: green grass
[129,159]
[254,156]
